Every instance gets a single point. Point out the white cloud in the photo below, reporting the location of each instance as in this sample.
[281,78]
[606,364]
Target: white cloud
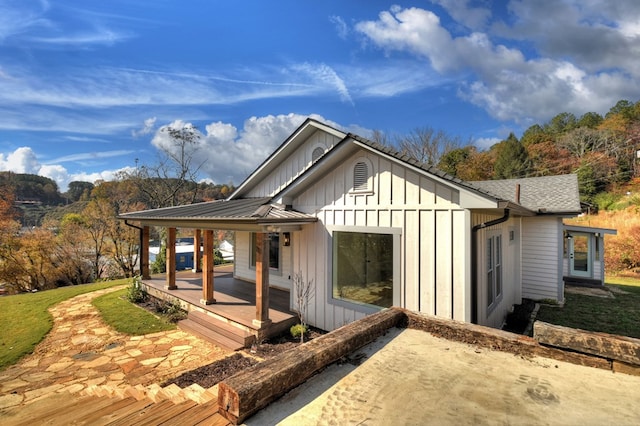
[562,75]
[147,128]
[472,17]
[229,154]
[22,160]
[485,143]
[341,27]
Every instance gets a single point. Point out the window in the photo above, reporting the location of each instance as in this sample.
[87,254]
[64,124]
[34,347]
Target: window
[363,268]
[274,250]
[316,154]
[361,176]
[494,269]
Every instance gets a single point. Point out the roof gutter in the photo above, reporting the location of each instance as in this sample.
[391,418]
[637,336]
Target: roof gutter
[474,261]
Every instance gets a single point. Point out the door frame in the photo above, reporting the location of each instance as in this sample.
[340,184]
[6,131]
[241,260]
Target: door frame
[571,254]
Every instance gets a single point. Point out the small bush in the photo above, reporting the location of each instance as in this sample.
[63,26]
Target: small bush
[172,312]
[299,330]
[136,293]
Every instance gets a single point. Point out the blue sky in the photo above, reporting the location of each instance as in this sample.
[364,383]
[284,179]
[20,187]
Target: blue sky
[86,86]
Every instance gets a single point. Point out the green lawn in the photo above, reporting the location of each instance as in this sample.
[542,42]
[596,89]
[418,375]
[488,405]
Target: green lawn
[25,319]
[127,317]
[619,315]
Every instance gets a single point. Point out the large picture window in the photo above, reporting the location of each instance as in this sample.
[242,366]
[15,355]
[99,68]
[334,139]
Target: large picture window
[494,269]
[274,250]
[363,268]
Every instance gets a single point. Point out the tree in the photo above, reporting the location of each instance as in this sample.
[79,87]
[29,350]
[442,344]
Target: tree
[534,135]
[172,180]
[452,160]
[79,190]
[561,123]
[512,160]
[427,145]
[590,119]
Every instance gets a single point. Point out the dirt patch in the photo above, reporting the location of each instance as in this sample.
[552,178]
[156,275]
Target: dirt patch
[590,291]
[209,375]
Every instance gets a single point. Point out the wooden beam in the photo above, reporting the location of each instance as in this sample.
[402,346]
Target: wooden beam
[252,389]
[207,269]
[197,254]
[144,254]
[262,280]
[171,259]
[610,346]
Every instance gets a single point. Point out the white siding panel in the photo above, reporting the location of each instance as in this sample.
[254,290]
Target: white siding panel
[411,261]
[541,269]
[427,262]
[461,267]
[444,238]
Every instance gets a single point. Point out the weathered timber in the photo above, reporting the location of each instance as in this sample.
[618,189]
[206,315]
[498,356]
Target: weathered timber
[245,393]
[498,340]
[610,346]
[622,367]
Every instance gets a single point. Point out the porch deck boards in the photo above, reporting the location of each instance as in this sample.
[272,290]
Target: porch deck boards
[235,299]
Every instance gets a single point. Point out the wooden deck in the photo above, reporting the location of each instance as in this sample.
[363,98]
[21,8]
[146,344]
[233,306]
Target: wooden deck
[235,300]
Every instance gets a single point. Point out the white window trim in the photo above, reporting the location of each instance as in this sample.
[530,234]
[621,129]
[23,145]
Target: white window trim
[397,246]
[252,254]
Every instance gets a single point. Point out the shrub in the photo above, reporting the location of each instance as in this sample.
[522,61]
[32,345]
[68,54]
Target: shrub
[136,293]
[299,330]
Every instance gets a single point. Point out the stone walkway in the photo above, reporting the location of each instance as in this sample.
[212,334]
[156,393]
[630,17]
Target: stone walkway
[82,352]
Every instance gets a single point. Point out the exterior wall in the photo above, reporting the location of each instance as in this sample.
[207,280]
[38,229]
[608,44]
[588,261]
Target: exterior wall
[510,231]
[244,271]
[542,250]
[294,165]
[434,238]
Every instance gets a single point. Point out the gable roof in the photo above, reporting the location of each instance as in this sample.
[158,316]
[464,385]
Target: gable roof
[546,194]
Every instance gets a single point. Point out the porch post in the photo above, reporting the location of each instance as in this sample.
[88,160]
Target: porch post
[197,254]
[207,269]
[262,280]
[171,259]
[144,253]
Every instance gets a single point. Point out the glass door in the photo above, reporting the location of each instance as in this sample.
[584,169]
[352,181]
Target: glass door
[580,255]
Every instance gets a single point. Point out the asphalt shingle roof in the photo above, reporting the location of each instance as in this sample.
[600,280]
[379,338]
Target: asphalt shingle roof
[546,194]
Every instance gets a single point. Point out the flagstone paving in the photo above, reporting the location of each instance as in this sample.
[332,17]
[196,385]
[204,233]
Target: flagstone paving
[82,351]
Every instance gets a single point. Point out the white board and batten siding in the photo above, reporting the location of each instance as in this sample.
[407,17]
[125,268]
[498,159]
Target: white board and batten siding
[294,165]
[281,278]
[434,237]
[541,255]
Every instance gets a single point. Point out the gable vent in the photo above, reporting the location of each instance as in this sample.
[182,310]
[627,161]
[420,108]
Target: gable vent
[360,176]
[316,154]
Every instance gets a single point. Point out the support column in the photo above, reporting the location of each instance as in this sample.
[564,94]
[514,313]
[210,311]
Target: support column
[262,281]
[171,259]
[197,254]
[207,269]
[144,254]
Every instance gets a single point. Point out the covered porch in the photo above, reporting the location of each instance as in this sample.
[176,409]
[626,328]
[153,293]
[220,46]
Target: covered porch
[234,311]
[220,305]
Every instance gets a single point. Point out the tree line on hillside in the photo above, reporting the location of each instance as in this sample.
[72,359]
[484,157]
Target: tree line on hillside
[600,150]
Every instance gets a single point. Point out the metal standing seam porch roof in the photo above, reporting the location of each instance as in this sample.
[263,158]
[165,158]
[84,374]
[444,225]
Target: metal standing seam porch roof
[245,211]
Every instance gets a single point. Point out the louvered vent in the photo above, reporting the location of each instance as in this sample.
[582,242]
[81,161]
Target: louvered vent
[360,177]
[317,153]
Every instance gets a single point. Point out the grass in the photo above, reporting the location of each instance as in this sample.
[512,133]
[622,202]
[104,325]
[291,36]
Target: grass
[619,315]
[25,319]
[128,318]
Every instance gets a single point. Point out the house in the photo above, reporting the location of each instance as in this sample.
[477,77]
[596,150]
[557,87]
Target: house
[369,228]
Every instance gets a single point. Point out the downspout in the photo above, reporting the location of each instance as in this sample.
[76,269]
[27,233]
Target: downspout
[474,261]
[126,222]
